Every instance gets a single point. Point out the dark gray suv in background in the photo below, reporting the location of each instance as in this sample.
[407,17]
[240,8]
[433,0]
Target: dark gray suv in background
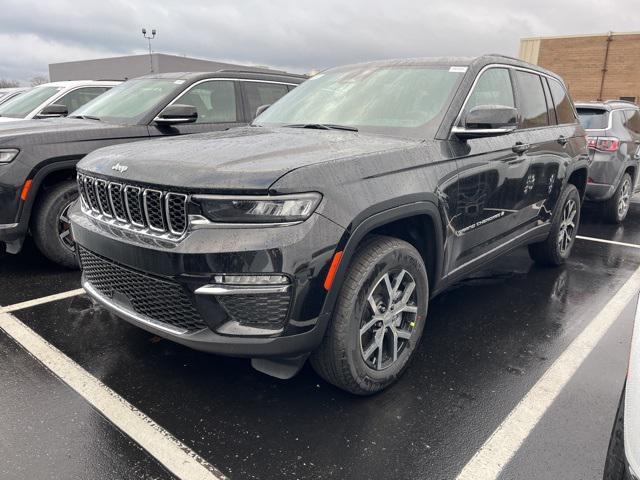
[38,157]
[325,227]
[613,130]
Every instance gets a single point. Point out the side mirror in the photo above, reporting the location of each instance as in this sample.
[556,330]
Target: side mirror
[487,121]
[261,109]
[177,113]
[54,110]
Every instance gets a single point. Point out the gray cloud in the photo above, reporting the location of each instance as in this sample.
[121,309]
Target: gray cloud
[297,35]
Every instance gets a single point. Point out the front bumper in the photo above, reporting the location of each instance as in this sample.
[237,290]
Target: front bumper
[300,252]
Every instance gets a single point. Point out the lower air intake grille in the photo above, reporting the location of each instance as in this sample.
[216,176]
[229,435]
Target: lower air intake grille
[161,300]
[261,311]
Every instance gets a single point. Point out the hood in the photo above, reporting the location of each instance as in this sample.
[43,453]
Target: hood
[56,130]
[246,158]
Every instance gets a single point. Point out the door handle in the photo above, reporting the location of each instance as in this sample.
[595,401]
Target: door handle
[520,148]
[562,140]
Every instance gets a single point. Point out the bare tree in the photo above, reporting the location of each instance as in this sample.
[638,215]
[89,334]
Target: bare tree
[39,80]
[4,83]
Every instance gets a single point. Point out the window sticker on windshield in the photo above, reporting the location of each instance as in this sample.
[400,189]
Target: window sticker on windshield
[458,69]
[179,82]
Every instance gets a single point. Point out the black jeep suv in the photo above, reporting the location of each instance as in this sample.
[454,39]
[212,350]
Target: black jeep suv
[324,227]
[38,157]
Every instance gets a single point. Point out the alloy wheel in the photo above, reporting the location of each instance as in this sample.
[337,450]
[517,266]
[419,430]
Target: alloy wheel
[389,320]
[567,226]
[64,229]
[625,198]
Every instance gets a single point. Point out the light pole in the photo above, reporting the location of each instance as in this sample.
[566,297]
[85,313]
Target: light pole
[149,38]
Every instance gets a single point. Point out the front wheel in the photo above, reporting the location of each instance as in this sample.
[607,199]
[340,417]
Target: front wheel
[378,320]
[556,248]
[50,225]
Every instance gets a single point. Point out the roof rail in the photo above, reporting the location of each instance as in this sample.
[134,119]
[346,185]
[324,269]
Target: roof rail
[265,71]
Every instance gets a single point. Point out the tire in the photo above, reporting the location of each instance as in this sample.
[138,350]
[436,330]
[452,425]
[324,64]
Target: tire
[46,226]
[615,464]
[340,359]
[617,207]
[554,250]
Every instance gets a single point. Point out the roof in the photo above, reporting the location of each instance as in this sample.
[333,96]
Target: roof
[478,61]
[82,83]
[294,78]
[607,105]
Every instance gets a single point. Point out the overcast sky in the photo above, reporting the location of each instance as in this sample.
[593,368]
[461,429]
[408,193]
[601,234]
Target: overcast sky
[298,35]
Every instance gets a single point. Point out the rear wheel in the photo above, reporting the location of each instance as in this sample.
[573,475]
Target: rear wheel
[617,207]
[50,226]
[556,248]
[378,320]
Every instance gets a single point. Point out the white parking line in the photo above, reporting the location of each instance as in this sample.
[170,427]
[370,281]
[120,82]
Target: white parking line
[612,242]
[506,440]
[41,300]
[166,449]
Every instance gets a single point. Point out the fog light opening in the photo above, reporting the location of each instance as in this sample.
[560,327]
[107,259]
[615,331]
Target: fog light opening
[251,280]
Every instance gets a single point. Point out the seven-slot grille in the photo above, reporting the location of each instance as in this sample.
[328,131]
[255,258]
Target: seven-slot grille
[146,208]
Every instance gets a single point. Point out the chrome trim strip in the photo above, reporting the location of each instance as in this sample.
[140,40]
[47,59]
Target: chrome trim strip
[217,289]
[103,210]
[197,222]
[7,226]
[145,193]
[113,207]
[129,314]
[86,189]
[168,214]
[126,204]
[456,130]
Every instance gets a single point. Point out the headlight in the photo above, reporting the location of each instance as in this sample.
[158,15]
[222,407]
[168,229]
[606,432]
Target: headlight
[254,209]
[8,154]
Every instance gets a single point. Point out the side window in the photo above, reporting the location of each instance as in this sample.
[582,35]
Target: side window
[561,100]
[633,120]
[493,88]
[259,94]
[77,98]
[532,105]
[215,101]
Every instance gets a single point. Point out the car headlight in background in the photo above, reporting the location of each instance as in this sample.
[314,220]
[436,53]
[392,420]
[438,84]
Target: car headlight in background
[258,209]
[8,154]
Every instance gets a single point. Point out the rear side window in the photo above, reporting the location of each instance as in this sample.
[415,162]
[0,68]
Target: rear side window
[533,106]
[493,88]
[259,94]
[564,110]
[593,118]
[633,120]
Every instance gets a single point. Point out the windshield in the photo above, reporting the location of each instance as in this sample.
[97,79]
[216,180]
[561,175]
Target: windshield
[396,100]
[130,101]
[22,105]
[593,118]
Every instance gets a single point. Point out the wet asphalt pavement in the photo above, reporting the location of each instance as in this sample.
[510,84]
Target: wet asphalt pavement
[488,341]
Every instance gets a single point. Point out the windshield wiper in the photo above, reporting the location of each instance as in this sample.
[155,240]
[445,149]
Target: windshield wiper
[85,117]
[322,126]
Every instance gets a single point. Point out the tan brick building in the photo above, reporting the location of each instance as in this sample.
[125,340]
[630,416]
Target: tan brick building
[595,67]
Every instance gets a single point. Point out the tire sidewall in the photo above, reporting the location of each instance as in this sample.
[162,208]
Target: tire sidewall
[45,229]
[617,196]
[570,193]
[399,258]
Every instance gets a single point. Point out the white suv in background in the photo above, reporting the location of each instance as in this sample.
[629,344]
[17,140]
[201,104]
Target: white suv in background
[56,99]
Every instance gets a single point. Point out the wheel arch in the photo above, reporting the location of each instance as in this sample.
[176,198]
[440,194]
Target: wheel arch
[407,222]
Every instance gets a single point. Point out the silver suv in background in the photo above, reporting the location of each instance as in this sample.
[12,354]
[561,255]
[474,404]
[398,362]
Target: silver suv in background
[613,130]
[623,456]
[55,99]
